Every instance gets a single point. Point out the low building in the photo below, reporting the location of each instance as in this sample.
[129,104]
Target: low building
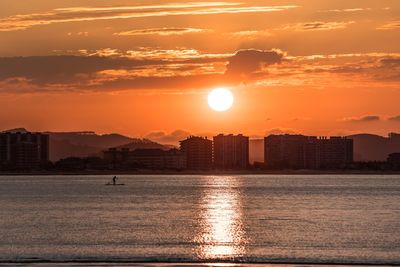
[23,150]
[156,159]
[231,152]
[198,152]
[394,159]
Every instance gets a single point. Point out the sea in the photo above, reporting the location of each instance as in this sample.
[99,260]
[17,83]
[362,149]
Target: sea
[190,220]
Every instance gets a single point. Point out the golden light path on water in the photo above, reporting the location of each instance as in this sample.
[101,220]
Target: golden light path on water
[221,221]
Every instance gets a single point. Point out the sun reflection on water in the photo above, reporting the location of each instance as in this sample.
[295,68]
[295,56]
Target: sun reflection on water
[221,234]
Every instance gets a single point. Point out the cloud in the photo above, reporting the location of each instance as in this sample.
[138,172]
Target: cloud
[168,138]
[394,25]
[161,31]
[79,14]
[251,34]
[299,119]
[109,69]
[248,62]
[368,118]
[395,118]
[390,62]
[179,69]
[318,26]
[279,131]
[357,9]
[64,69]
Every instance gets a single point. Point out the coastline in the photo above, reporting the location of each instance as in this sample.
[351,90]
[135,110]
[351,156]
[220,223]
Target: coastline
[214,172]
[127,263]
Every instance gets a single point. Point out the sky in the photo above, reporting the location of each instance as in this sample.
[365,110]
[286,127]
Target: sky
[145,68]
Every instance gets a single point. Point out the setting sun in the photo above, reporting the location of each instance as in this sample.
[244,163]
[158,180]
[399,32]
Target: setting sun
[220,99]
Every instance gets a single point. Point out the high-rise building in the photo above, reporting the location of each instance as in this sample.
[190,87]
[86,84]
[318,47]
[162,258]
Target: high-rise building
[198,152]
[231,152]
[307,152]
[284,151]
[333,152]
[23,150]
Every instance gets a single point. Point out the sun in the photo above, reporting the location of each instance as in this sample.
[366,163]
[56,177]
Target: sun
[220,99]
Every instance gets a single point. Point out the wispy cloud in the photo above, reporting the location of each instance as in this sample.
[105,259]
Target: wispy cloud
[317,26]
[77,14]
[367,118]
[161,31]
[357,9]
[251,34]
[394,25]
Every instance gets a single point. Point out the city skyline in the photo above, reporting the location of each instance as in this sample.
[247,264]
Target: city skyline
[293,66]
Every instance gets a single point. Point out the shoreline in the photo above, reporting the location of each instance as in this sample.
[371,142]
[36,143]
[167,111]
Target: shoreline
[188,263]
[209,173]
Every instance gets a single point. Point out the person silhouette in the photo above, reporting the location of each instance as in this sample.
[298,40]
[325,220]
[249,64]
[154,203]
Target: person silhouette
[114,179]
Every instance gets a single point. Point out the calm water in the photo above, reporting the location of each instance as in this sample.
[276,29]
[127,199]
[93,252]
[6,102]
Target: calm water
[266,218]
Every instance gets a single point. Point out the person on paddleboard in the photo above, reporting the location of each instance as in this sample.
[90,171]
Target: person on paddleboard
[114,179]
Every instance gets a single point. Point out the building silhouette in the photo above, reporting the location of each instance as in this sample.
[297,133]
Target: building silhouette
[394,159]
[231,152]
[23,150]
[198,152]
[157,159]
[307,152]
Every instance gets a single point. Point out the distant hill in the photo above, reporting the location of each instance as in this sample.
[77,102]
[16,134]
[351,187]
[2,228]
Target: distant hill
[87,143]
[82,144]
[370,147]
[91,138]
[16,130]
[144,144]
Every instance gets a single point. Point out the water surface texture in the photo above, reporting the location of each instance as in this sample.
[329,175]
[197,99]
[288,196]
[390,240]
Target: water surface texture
[245,218]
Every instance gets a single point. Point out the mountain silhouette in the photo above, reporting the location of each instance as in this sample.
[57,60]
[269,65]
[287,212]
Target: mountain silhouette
[144,144]
[370,147]
[83,144]
[88,143]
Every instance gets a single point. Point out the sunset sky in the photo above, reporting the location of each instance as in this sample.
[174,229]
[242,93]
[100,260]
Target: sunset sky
[144,68]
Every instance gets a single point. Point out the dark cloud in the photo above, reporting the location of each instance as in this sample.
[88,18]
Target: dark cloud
[170,82]
[319,25]
[64,69]
[369,118]
[248,62]
[108,70]
[47,73]
[120,72]
[391,62]
[395,118]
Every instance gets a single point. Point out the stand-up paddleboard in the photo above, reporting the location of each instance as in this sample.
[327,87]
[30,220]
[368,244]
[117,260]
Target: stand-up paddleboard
[113,184]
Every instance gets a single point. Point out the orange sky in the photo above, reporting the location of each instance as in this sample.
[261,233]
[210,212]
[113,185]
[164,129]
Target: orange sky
[144,68]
